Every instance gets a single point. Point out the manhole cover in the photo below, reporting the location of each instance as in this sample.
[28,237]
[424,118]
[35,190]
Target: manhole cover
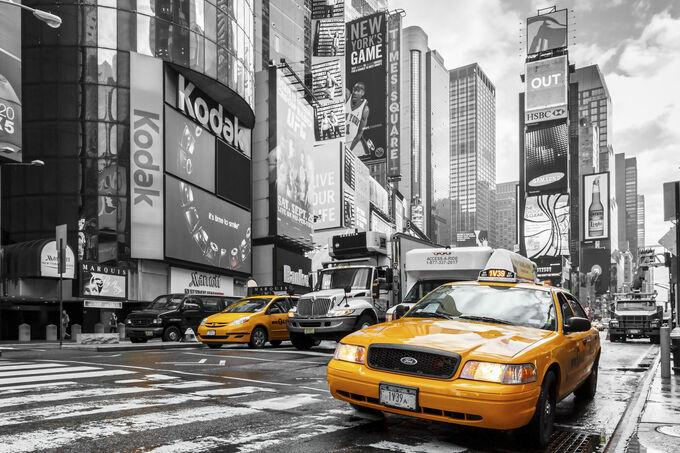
[669,430]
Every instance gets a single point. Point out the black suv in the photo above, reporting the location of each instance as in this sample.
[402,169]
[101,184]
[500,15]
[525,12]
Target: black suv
[170,315]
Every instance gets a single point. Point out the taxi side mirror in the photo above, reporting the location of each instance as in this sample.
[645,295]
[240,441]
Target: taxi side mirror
[400,311]
[576,324]
[389,276]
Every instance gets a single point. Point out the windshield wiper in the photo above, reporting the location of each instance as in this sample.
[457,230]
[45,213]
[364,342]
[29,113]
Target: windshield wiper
[485,319]
[430,315]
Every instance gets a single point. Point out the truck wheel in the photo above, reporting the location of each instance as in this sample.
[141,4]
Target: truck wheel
[540,428]
[365,320]
[586,391]
[300,341]
[258,338]
[622,338]
[172,333]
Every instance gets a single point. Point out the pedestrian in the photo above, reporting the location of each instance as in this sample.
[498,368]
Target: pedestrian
[336,43]
[65,320]
[113,323]
[326,129]
[335,124]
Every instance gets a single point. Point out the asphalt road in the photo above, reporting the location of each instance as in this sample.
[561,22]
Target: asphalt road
[242,400]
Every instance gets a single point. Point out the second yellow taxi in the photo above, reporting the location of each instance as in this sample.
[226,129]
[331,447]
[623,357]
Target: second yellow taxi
[498,353]
[253,320]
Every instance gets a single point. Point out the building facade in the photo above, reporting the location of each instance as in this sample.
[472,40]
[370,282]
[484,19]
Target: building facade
[631,206]
[595,104]
[473,150]
[504,231]
[641,221]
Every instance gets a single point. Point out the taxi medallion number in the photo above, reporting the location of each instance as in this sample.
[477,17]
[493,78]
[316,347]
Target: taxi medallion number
[309,331]
[399,396]
[210,332]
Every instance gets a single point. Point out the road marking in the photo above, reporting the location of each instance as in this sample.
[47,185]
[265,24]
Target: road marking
[30,366]
[53,377]
[32,372]
[429,447]
[202,360]
[74,394]
[280,351]
[160,377]
[188,384]
[42,439]
[256,358]
[107,356]
[232,391]
[223,362]
[284,402]
[21,388]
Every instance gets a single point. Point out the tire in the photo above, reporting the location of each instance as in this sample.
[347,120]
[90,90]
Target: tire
[366,410]
[275,343]
[301,341]
[622,338]
[214,345]
[137,340]
[258,338]
[587,390]
[364,321]
[540,428]
[172,333]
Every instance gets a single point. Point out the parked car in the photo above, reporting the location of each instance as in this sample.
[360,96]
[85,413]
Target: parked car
[170,315]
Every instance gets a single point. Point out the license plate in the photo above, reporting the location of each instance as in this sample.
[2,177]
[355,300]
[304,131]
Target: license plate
[399,396]
[149,333]
[634,331]
[309,331]
[210,332]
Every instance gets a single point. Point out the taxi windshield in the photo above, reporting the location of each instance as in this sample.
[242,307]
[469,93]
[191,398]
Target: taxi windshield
[421,288]
[165,303]
[487,303]
[356,277]
[249,305]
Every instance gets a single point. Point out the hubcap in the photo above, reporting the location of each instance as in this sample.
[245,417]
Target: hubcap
[173,335]
[259,338]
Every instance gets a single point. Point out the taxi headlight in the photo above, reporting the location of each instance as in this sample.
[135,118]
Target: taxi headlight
[341,312]
[240,321]
[499,372]
[350,353]
[203,322]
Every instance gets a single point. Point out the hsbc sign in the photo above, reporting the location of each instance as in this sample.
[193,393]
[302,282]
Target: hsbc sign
[546,90]
[193,103]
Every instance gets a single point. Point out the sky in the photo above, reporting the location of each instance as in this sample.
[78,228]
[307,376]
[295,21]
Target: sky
[636,43]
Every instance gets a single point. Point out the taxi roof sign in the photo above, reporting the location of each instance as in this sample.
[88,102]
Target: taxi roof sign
[509,267]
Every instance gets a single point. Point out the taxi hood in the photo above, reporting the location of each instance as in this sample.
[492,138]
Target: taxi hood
[480,340]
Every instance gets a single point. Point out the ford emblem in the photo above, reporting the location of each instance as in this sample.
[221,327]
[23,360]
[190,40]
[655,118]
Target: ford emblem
[408,361]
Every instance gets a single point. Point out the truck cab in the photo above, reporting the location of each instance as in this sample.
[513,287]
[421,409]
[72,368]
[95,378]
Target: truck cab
[352,291]
[636,315]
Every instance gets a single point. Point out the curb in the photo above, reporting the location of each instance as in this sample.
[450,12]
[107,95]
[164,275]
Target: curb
[131,347]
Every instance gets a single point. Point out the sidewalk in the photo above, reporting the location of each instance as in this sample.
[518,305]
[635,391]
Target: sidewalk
[658,426]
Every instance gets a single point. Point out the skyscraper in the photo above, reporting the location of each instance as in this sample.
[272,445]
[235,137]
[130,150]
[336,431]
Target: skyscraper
[631,206]
[595,104]
[504,231]
[641,220]
[473,149]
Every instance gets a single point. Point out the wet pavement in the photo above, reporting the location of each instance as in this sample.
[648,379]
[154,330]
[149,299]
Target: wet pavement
[275,399]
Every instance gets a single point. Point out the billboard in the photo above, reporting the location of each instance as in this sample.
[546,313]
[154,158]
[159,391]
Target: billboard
[477,238]
[204,229]
[546,225]
[187,281]
[362,194]
[546,159]
[365,103]
[393,91]
[233,175]
[547,32]
[189,150]
[102,280]
[146,157]
[549,269]
[670,200]
[291,269]
[326,195]
[10,83]
[546,90]
[290,163]
[596,261]
[595,204]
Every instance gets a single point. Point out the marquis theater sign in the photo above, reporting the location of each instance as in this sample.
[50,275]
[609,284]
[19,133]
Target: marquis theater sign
[210,114]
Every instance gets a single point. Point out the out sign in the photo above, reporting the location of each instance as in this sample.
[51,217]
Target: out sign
[546,81]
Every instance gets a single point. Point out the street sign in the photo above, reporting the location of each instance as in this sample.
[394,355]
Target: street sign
[61,247]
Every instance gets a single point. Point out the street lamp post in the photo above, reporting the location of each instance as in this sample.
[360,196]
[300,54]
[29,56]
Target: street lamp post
[50,19]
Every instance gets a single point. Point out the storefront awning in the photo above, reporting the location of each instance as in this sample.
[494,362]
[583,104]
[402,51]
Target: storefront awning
[35,259]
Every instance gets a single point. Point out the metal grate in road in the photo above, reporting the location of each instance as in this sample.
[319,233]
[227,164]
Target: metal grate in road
[573,442]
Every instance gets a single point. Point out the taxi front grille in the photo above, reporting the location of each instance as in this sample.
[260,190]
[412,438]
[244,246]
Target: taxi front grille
[216,324]
[413,360]
[313,307]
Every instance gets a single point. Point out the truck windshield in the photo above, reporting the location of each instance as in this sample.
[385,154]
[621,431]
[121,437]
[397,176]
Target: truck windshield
[647,305]
[357,278]
[421,288]
[165,303]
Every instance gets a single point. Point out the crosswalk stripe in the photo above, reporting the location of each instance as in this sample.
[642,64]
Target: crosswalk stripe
[21,388]
[54,377]
[232,391]
[46,371]
[188,384]
[427,447]
[100,392]
[202,360]
[284,402]
[222,362]
[59,437]
[14,367]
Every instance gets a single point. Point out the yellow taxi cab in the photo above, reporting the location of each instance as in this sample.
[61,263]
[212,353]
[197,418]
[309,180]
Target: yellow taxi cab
[253,320]
[498,353]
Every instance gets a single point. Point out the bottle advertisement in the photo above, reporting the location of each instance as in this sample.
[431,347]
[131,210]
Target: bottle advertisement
[596,206]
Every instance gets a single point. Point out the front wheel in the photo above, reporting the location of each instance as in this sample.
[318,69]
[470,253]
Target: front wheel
[540,427]
[364,321]
[258,338]
[172,333]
